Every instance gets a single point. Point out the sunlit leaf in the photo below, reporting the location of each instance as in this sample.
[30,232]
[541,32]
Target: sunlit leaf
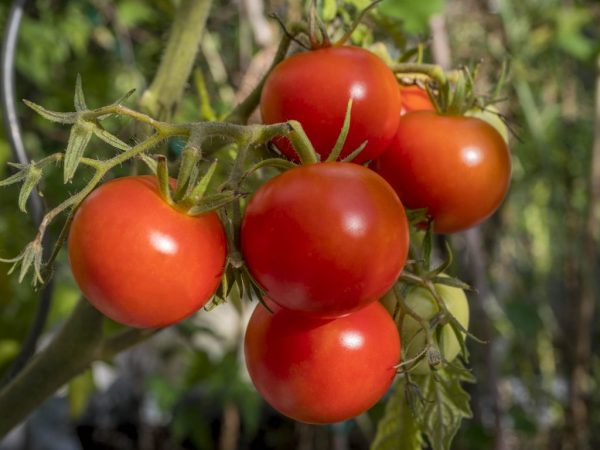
[60,117]
[398,430]
[79,138]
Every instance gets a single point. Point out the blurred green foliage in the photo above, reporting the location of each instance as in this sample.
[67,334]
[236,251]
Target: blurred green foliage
[533,246]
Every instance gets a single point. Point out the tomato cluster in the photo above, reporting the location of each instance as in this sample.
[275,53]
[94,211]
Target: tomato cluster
[324,241]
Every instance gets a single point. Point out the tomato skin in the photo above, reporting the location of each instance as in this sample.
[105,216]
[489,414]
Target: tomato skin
[326,238]
[422,302]
[314,88]
[457,167]
[319,370]
[128,248]
[491,115]
[415,99]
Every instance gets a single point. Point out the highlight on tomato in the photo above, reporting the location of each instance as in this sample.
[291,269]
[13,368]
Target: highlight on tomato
[314,88]
[320,370]
[326,238]
[456,167]
[140,261]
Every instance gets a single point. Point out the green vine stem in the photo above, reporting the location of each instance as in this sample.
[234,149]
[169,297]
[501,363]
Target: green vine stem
[432,71]
[165,91]
[242,112]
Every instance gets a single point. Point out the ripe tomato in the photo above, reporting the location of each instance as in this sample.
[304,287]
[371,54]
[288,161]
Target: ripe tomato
[320,370]
[457,167]
[415,99]
[491,115]
[422,302]
[314,88]
[140,261]
[325,238]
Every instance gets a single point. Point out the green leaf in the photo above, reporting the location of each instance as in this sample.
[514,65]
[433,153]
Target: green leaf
[398,429]
[446,404]
[80,136]
[79,99]
[124,97]
[213,202]
[414,14]
[570,35]
[33,175]
[150,162]
[30,256]
[19,176]
[53,116]
[109,138]
[341,140]
[452,282]
[200,189]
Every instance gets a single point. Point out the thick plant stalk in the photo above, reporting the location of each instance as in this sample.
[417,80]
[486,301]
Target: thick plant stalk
[80,341]
[70,353]
[166,90]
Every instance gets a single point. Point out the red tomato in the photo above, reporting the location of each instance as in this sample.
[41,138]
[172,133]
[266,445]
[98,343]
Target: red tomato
[415,99]
[325,238]
[457,167]
[319,370]
[140,261]
[314,88]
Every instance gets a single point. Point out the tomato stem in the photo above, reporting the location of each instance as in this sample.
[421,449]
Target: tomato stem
[348,34]
[190,157]
[162,174]
[302,144]
[341,140]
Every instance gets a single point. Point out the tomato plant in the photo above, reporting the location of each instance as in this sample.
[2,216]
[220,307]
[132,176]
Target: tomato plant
[139,260]
[457,167]
[325,238]
[422,302]
[320,370]
[414,98]
[314,88]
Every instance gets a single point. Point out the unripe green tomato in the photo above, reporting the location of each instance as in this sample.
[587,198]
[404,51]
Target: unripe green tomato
[412,335]
[491,115]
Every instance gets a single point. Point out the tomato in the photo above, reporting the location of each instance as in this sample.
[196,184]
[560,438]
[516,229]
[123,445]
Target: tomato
[422,302]
[457,167]
[492,116]
[314,88]
[140,261]
[415,99]
[320,370]
[325,238]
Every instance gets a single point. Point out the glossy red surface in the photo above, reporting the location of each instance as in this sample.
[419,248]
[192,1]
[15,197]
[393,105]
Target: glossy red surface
[318,370]
[140,261]
[314,88]
[457,167]
[326,238]
[415,99]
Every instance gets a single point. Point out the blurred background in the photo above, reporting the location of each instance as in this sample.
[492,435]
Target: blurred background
[535,263]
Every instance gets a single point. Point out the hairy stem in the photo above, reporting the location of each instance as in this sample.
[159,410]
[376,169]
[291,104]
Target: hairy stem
[165,91]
